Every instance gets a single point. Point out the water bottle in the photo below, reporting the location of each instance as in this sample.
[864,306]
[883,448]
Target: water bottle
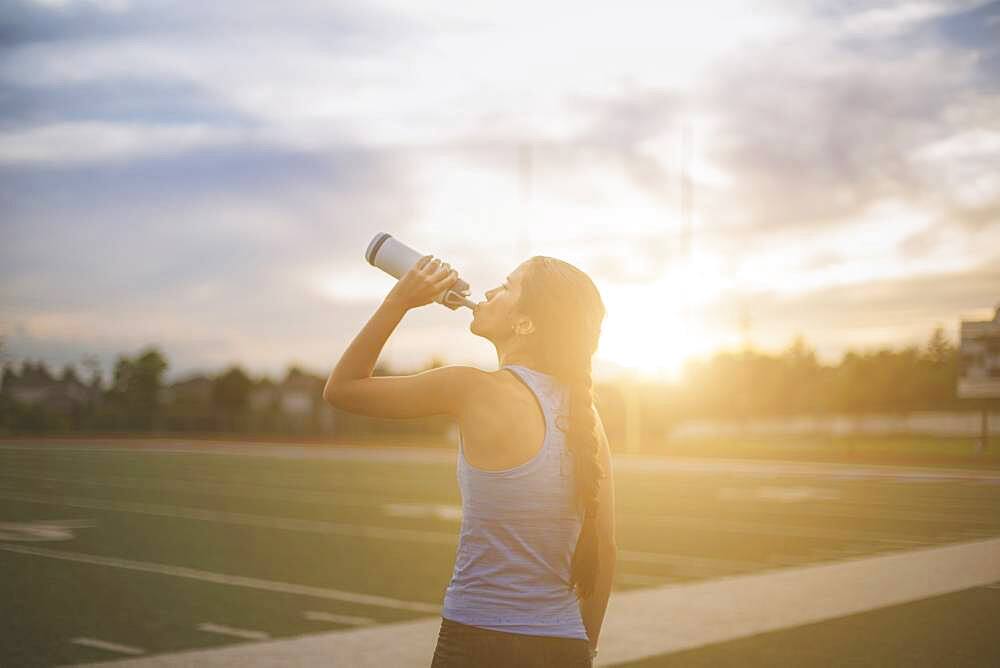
[396,258]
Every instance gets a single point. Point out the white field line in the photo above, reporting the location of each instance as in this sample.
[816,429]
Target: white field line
[255,491]
[421,535]
[683,564]
[621,462]
[660,620]
[223,578]
[34,531]
[110,646]
[318,616]
[648,580]
[436,511]
[243,519]
[760,528]
[683,561]
[246,634]
[449,512]
[402,453]
[785,468]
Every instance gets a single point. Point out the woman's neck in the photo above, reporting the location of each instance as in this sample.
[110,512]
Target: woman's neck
[518,357]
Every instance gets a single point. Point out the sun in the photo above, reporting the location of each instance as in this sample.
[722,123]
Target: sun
[652,328]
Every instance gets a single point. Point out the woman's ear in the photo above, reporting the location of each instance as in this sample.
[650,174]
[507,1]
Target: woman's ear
[524,326]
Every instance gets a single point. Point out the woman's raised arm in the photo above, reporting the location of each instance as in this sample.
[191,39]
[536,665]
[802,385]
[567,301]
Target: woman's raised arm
[441,391]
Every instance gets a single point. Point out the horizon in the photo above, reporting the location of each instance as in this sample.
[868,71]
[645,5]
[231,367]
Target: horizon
[610,373]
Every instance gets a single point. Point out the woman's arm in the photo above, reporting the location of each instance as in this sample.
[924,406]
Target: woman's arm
[592,609]
[439,391]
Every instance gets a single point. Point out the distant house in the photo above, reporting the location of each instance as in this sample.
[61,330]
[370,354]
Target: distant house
[189,404]
[299,393]
[35,386]
[265,397]
[300,397]
[195,391]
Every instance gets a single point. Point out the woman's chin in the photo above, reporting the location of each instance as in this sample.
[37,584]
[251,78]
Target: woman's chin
[475,328]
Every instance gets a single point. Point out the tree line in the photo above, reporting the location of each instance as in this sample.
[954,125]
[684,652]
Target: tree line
[738,385]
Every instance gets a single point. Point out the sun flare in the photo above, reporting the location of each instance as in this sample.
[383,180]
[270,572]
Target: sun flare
[652,328]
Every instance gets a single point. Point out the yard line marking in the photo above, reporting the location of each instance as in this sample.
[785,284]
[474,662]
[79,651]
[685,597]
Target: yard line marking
[214,488]
[403,453]
[244,519]
[641,464]
[631,578]
[34,531]
[757,528]
[446,511]
[648,622]
[246,634]
[439,511]
[226,579]
[419,535]
[687,561]
[317,616]
[782,468]
[110,646]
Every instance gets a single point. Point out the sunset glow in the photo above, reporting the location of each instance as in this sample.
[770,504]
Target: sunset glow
[233,180]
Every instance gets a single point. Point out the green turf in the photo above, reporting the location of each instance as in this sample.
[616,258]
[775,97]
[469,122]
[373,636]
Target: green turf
[888,449]
[728,517]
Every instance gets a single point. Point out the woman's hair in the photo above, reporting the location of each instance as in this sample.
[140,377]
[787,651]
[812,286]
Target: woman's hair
[567,311]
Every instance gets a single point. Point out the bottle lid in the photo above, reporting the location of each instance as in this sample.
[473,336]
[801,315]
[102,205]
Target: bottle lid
[375,245]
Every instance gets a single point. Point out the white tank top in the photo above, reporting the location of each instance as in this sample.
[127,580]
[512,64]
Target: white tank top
[519,529]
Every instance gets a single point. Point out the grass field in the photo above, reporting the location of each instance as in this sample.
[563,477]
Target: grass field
[159,548]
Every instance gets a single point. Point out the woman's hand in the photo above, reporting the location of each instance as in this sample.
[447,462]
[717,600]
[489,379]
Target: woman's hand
[428,278]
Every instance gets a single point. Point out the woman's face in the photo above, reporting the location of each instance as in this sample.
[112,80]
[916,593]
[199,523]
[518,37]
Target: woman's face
[496,317]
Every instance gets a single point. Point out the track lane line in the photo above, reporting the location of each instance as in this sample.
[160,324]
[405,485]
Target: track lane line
[423,535]
[226,579]
[319,616]
[243,519]
[109,646]
[233,632]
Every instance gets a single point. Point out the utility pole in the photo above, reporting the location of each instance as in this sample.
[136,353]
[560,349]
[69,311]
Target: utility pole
[526,168]
[686,194]
[633,420]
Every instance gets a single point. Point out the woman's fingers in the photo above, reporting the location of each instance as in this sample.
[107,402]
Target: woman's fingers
[446,282]
[435,269]
[423,262]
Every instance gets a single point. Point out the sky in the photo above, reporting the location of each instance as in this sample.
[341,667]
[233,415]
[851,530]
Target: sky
[205,177]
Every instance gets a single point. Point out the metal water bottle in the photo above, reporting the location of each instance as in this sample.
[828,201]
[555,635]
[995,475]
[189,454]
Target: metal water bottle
[396,258]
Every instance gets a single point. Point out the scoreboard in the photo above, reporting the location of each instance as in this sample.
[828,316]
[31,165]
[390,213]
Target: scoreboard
[979,359]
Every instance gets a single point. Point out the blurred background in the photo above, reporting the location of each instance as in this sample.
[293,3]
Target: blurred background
[790,210]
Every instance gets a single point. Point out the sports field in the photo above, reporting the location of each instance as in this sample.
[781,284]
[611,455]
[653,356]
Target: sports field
[124,550]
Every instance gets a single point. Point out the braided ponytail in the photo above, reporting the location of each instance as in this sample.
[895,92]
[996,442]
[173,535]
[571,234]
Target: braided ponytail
[566,306]
[581,438]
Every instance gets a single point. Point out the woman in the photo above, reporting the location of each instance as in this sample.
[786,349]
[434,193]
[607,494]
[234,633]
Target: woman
[536,553]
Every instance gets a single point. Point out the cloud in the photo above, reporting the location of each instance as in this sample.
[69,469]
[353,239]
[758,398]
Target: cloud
[213,254]
[211,172]
[868,314]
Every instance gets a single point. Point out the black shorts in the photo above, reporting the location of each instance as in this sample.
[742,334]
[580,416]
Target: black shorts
[461,646]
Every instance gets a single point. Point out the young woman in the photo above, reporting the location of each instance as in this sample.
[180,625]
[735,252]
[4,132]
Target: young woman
[536,554]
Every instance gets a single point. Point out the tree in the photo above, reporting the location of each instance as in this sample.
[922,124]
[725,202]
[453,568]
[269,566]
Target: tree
[69,374]
[92,364]
[230,394]
[136,387]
